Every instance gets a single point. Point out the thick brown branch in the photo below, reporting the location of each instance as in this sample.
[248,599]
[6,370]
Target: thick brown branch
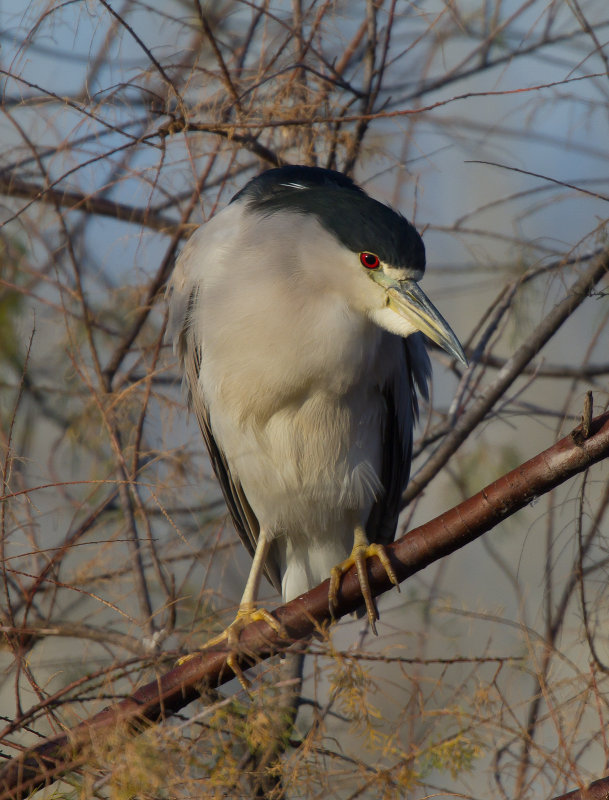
[300,618]
[597,790]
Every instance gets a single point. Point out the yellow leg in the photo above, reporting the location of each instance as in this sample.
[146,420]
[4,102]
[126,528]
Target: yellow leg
[362,550]
[247,612]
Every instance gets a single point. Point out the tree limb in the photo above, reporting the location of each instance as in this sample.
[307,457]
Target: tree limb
[447,533]
[597,790]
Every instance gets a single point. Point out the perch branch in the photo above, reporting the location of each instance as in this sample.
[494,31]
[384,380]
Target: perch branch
[445,534]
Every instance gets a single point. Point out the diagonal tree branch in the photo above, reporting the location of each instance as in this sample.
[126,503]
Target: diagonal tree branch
[447,533]
[597,790]
[511,370]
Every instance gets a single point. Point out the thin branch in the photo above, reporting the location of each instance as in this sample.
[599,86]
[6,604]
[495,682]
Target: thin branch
[122,21]
[303,121]
[564,184]
[226,78]
[582,372]
[77,201]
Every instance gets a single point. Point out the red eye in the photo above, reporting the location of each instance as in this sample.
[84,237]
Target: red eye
[369,260]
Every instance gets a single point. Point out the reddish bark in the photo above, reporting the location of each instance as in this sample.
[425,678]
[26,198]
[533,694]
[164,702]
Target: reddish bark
[414,551]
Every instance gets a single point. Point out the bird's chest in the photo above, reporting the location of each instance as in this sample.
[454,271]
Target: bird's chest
[280,350]
[299,417]
[310,462]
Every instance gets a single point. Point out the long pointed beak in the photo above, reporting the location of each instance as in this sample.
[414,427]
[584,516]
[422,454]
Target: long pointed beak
[408,300]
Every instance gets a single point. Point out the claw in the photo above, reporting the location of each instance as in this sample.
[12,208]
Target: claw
[246,614]
[362,550]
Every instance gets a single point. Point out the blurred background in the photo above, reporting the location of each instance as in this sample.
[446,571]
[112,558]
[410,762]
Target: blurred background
[126,124]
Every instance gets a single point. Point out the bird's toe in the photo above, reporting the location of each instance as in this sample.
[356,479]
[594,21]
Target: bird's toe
[362,551]
[231,638]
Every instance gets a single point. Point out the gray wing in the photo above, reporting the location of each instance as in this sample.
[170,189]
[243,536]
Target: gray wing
[402,411]
[189,354]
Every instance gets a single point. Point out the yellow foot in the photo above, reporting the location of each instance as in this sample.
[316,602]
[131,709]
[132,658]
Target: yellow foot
[245,615]
[362,550]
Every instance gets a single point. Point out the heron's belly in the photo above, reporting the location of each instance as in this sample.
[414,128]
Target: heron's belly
[311,470]
[310,460]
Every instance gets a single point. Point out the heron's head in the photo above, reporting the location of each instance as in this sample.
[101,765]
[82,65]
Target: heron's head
[352,244]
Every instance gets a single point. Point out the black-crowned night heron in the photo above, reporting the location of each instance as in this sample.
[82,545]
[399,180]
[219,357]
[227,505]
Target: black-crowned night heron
[299,322]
